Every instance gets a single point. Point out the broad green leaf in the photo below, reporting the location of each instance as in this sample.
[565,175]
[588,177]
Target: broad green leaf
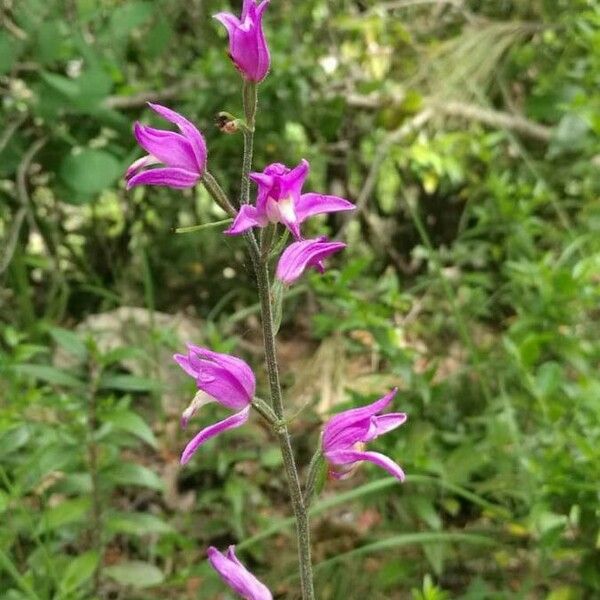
[131,423]
[90,171]
[48,374]
[135,573]
[137,524]
[128,383]
[79,571]
[130,474]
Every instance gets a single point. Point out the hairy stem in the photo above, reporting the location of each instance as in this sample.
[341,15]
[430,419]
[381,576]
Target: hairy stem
[261,268]
[300,511]
[250,103]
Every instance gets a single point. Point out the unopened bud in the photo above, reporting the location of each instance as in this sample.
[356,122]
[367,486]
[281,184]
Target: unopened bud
[227,123]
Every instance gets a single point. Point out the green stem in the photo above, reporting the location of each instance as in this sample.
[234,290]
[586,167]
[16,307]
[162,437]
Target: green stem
[260,264]
[250,103]
[299,508]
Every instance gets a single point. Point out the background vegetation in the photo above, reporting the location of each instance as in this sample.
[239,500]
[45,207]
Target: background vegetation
[467,133]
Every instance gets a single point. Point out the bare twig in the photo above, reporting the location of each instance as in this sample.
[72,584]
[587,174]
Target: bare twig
[10,130]
[11,239]
[12,236]
[471,112]
[495,118]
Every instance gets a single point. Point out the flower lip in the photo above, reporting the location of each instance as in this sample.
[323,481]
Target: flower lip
[301,255]
[280,200]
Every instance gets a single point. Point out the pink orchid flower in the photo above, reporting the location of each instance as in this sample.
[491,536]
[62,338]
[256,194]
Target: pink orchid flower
[236,576]
[247,45]
[220,378]
[346,434]
[183,154]
[280,200]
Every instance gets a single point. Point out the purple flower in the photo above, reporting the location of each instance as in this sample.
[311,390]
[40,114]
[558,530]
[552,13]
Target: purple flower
[220,378]
[345,436]
[299,256]
[236,576]
[247,45]
[183,154]
[280,200]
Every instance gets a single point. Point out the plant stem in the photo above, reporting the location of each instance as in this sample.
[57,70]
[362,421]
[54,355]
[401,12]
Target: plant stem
[300,512]
[250,103]
[260,264]
[217,193]
[92,448]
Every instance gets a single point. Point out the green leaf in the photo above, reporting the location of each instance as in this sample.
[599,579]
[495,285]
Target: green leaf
[409,539]
[277,303]
[135,573]
[79,570]
[123,353]
[49,41]
[48,374]
[90,171]
[131,423]
[128,383]
[137,524]
[61,84]
[9,51]
[130,474]
[13,439]
[70,511]
[129,16]
[70,341]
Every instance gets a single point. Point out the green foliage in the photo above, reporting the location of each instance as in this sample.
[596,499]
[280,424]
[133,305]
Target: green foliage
[470,280]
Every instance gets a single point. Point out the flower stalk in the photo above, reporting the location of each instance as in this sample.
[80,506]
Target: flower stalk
[298,506]
[250,98]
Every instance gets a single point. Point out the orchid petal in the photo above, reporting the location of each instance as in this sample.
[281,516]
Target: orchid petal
[236,576]
[171,177]
[247,217]
[383,424]
[189,130]
[248,48]
[348,418]
[301,255]
[237,366]
[231,422]
[315,204]
[139,164]
[168,147]
[344,457]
